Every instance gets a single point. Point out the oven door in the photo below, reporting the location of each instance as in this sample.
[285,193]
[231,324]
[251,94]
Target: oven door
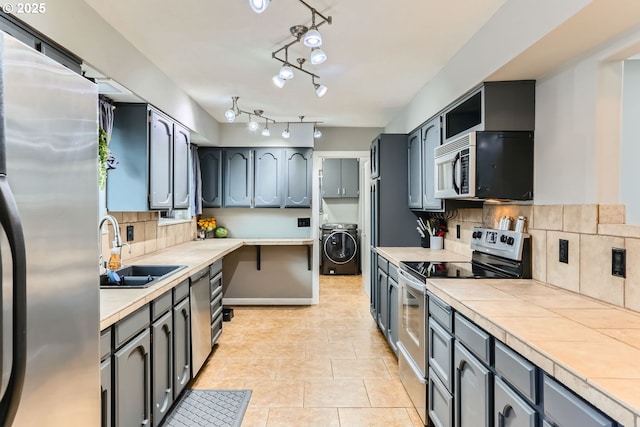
[412,346]
[412,311]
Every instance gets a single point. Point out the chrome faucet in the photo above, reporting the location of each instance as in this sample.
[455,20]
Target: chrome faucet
[117,239]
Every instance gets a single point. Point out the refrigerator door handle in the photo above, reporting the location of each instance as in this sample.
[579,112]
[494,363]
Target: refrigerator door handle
[12,225]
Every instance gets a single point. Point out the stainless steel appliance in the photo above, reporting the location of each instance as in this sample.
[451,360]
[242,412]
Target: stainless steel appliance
[497,254]
[49,243]
[340,249]
[485,165]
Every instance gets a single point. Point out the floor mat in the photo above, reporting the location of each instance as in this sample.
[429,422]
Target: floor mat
[211,408]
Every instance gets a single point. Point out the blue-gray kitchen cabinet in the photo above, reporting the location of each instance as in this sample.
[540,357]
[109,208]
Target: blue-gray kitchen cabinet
[106,373]
[340,178]
[562,408]
[133,382]
[238,177]
[298,163]
[269,177]
[393,319]
[150,173]
[472,390]
[211,174]
[414,145]
[162,366]
[181,340]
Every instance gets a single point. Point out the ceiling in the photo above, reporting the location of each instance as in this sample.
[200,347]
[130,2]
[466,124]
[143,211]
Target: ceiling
[380,53]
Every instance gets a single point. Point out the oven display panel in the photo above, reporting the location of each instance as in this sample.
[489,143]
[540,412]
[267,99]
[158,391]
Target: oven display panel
[491,237]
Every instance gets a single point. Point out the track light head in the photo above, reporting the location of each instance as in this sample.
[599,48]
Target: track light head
[253,125]
[318,56]
[278,81]
[286,72]
[285,133]
[316,132]
[321,90]
[259,6]
[312,38]
[230,115]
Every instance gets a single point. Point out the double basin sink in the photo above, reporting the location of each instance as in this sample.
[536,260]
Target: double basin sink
[137,276]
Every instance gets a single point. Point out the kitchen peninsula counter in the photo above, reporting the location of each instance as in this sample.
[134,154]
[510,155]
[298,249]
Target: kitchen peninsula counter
[116,304]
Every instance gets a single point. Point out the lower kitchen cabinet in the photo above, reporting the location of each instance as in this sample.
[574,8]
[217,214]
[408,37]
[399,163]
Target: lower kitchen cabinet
[562,408]
[472,390]
[162,366]
[510,409]
[383,309]
[106,403]
[133,382]
[392,335]
[181,345]
[439,402]
[374,289]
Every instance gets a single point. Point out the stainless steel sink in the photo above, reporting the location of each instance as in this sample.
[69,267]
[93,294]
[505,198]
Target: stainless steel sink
[138,276]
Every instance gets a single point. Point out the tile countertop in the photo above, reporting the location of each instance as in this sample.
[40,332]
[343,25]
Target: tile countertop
[590,346]
[395,255]
[115,304]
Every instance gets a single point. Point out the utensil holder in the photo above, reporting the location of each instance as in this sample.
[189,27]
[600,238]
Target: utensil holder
[436,243]
[424,241]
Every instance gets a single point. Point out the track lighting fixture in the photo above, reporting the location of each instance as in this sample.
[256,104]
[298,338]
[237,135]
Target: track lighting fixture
[235,111]
[259,6]
[310,37]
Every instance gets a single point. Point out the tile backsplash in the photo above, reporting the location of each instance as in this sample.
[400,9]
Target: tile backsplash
[592,232]
[149,235]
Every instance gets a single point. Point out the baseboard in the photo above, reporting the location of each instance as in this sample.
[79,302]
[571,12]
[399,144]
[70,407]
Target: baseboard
[268,301]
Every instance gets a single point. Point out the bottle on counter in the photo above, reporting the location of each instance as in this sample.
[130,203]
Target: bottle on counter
[115,261]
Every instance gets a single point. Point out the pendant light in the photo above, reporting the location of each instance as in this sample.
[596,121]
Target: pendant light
[285,133]
[253,125]
[266,131]
[278,81]
[259,6]
[318,56]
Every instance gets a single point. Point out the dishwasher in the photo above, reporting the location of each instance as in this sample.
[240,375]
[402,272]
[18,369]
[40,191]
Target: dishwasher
[200,319]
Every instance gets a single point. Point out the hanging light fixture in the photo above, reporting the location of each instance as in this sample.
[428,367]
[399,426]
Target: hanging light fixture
[266,131]
[259,6]
[232,112]
[285,133]
[320,89]
[317,56]
[312,38]
[253,125]
[278,81]
[316,132]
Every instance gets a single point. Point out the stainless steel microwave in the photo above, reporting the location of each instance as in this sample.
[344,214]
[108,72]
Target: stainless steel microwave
[485,165]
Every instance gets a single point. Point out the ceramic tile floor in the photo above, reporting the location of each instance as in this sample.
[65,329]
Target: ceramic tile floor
[325,365]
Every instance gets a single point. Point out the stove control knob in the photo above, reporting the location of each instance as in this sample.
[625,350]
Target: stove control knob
[510,241]
[503,238]
[476,234]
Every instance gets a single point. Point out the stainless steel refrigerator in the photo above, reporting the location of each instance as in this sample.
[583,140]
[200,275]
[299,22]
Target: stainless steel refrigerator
[48,243]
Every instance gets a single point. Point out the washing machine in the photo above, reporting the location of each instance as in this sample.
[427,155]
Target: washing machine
[340,249]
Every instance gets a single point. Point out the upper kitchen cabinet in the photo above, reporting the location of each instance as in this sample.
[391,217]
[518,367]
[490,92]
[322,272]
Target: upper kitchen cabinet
[153,161]
[298,171]
[269,177]
[256,177]
[340,178]
[421,145]
[238,177]
[493,106]
[211,173]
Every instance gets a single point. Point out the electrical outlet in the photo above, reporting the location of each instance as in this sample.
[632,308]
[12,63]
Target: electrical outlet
[457,231]
[304,222]
[618,262]
[129,233]
[563,251]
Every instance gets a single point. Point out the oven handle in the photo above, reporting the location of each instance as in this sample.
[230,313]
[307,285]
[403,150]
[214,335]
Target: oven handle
[412,283]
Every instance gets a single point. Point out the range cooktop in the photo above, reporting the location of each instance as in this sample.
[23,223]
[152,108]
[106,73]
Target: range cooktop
[458,270]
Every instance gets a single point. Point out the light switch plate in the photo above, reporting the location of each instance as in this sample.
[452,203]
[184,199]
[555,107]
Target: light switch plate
[618,262]
[563,252]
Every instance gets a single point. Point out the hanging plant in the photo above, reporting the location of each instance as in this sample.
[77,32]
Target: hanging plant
[103,154]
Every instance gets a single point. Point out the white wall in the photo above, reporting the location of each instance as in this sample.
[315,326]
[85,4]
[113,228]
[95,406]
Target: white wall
[630,141]
[109,52]
[261,222]
[346,139]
